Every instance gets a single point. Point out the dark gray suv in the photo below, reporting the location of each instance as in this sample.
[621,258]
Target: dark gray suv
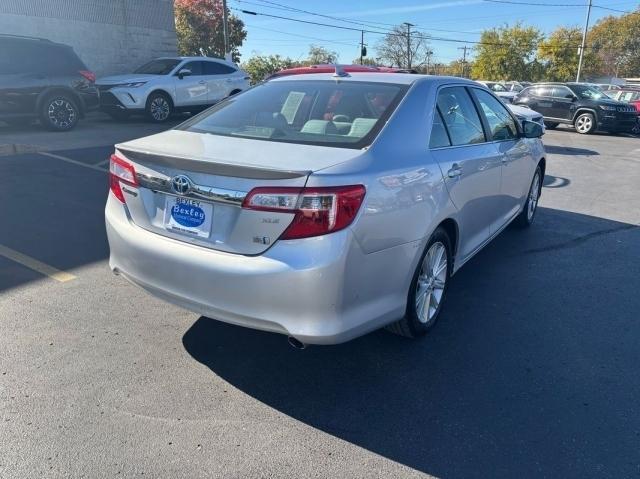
[586,108]
[45,80]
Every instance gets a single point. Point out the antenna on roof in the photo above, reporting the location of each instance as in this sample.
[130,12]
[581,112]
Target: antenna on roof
[340,71]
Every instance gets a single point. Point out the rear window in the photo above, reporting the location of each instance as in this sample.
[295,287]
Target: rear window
[34,56]
[158,67]
[330,113]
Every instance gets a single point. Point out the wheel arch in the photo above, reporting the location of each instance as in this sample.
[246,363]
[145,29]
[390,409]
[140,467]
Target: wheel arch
[162,91]
[582,110]
[59,90]
[451,228]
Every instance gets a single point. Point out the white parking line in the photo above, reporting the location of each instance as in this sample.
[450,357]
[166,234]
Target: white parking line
[74,162]
[103,162]
[36,265]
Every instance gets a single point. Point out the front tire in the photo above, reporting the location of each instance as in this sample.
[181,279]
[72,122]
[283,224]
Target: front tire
[428,288]
[528,214]
[159,107]
[59,113]
[585,123]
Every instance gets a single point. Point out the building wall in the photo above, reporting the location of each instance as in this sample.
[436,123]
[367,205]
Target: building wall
[111,36]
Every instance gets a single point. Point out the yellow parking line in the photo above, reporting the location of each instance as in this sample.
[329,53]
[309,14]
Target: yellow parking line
[75,162]
[36,265]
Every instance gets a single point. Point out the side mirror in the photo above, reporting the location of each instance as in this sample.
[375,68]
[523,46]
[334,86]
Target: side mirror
[532,129]
[184,72]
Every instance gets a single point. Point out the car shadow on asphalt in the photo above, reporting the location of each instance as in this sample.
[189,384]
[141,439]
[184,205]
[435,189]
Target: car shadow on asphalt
[569,150]
[530,372]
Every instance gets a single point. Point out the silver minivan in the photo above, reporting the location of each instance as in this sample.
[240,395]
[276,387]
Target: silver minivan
[323,206]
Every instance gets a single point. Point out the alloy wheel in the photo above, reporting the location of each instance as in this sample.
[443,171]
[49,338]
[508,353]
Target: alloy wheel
[159,108]
[584,124]
[61,113]
[534,194]
[431,282]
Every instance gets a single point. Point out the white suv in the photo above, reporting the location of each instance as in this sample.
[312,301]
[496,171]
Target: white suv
[170,84]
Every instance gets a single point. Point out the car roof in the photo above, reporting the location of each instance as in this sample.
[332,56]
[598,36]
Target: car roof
[387,77]
[200,58]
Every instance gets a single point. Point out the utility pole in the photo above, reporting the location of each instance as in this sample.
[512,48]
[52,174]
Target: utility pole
[409,25]
[429,53]
[225,28]
[464,59]
[584,41]
[361,45]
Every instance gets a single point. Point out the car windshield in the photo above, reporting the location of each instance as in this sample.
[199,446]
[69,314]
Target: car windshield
[496,87]
[331,113]
[158,67]
[588,92]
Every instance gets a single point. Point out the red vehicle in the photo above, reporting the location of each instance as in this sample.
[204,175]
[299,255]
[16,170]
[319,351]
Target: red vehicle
[329,68]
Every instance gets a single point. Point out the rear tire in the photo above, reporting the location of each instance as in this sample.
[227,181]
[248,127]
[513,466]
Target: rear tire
[159,107]
[550,125]
[528,213]
[585,123]
[428,288]
[59,112]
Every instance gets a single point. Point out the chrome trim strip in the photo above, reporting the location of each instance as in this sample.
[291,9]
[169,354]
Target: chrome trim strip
[209,193]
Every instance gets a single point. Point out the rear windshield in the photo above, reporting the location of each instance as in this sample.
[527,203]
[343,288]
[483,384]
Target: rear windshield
[158,67]
[331,113]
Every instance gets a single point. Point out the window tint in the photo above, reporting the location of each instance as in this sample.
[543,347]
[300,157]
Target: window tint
[460,116]
[561,92]
[345,115]
[163,66]
[195,67]
[439,137]
[215,68]
[501,123]
[543,91]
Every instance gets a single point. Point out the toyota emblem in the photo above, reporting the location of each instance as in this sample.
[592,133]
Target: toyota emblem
[181,184]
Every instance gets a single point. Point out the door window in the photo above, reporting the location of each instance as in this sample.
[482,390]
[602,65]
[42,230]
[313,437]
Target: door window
[501,123]
[215,68]
[542,91]
[195,67]
[439,137]
[460,116]
[561,92]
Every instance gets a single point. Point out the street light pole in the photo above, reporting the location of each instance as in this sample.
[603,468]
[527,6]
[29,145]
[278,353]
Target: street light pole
[584,41]
[225,28]
[361,45]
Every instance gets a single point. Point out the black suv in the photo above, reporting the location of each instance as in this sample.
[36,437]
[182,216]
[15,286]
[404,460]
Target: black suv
[45,80]
[586,108]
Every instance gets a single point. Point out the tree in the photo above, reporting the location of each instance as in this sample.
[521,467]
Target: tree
[200,32]
[372,62]
[559,52]
[392,49]
[258,67]
[320,55]
[507,53]
[615,44]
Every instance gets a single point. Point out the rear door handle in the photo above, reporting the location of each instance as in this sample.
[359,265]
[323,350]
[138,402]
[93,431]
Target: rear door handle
[455,171]
[202,82]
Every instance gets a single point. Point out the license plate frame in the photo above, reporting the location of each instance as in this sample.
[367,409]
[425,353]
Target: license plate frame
[188,216]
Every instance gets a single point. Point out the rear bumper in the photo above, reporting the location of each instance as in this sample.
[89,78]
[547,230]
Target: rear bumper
[319,290]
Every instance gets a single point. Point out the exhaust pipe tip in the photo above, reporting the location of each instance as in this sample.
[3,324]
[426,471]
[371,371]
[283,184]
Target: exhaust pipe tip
[295,343]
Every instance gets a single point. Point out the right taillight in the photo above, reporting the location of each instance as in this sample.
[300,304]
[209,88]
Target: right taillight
[318,211]
[120,170]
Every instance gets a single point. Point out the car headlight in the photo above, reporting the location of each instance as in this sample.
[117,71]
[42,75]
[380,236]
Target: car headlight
[133,84]
[608,108]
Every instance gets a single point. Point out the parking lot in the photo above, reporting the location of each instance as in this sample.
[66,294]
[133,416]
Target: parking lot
[532,370]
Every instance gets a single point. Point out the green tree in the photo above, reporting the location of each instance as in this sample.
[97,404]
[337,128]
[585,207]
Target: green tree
[319,55]
[559,53]
[506,53]
[200,32]
[259,67]
[615,44]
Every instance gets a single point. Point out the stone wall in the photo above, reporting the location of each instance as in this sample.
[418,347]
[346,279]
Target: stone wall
[111,36]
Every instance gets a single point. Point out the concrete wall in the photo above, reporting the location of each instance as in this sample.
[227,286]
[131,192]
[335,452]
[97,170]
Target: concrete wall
[111,36]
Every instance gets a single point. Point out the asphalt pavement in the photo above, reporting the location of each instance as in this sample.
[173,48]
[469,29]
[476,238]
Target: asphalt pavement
[532,370]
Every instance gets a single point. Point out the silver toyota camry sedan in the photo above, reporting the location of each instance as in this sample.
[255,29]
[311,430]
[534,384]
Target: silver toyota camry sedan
[323,206]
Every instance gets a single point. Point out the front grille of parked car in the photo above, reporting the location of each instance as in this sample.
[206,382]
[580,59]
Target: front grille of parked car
[108,98]
[626,109]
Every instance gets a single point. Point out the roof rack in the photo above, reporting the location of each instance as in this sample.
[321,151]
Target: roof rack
[25,36]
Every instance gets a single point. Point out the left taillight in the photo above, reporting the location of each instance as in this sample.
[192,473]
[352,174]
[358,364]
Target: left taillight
[318,211]
[120,171]
[89,75]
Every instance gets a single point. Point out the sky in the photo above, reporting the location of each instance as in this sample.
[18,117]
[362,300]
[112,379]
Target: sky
[454,19]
